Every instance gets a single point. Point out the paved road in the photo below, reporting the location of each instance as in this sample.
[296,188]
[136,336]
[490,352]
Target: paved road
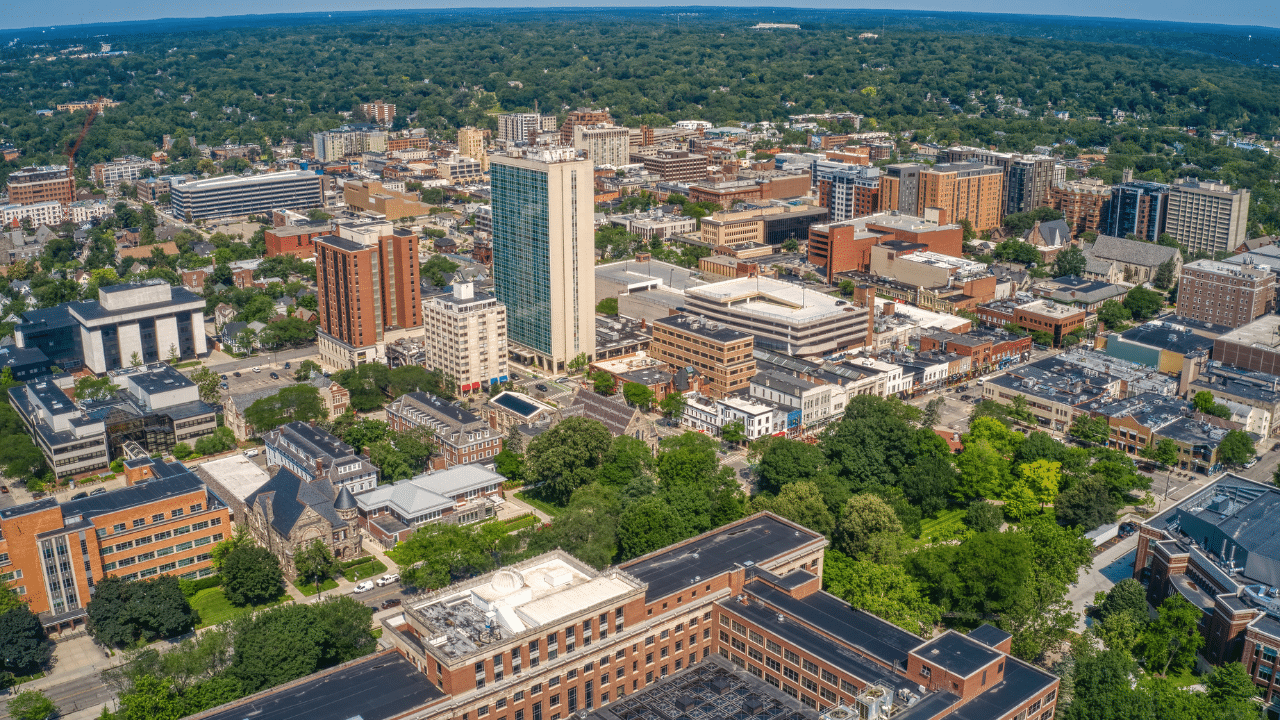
[87,693]
[1109,567]
[265,359]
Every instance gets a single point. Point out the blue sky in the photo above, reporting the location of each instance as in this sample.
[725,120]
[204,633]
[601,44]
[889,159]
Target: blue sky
[1241,12]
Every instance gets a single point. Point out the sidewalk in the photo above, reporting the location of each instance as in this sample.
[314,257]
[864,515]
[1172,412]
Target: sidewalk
[77,657]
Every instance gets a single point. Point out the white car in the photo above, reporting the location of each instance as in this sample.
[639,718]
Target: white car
[365,586]
[257,369]
[251,453]
[388,579]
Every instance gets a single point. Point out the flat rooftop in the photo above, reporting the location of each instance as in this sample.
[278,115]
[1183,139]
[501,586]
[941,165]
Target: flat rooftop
[1261,333]
[232,181]
[237,473]
[376,687]
[774,300]
[697,326]
[957,654]
[753,541]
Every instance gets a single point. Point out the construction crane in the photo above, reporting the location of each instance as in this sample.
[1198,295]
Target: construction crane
[73,149]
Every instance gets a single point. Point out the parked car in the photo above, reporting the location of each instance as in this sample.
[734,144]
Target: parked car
[365,586]
[541,387]
[257,369]
[388,579]
[99,491]
[4,488]
[224,377]
[80,496]
[224,386]
[251,453]
[237,374]
[275,376]
[393,602]
[1253,462]
[287,366]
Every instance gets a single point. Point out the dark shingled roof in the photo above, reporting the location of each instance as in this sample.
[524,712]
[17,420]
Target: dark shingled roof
[1133,252]
[613,411]
[345,501]
[287,496]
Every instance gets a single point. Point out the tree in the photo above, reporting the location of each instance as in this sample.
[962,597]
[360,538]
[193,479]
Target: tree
[1164,453]
[295,402]
[220,551]
[251,576]
[1089,429]
[638,395]
[1127,596]
[886,591]
[221,440]
[30,705]
[1070,261]
[607,306]
[1164,274]
[393,464]
[1171,641]
[208,383]
[315,563]
[868,529]
[24,645]
[1114,315]
[288,332]
[646,525]
[734,432]
[932,412]
[308,369]
[1088,504]
[1036,486]
[1203,401]
[135,360]
[981,516]
[603,383]
[1236,448]
[1143,303]
[673,406]
[566,457]
[94,388]
[126,611]
[799,502]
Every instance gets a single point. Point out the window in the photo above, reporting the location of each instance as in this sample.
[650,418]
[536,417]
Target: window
[1268,654]
[790,674]
[827,695]
[848,687]
[553,681]
[482,711]
[755,637]
[555,700]
[535,689]
[810,667]
[177,512]
[773,647]
[501,703]
[139,522]
[809,684]
[197,507]
[739,628]
[158,517]
[791,657]
[924,671]
[772,664]
[827,677]
[118,527]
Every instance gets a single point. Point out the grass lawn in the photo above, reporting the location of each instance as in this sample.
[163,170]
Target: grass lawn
[545,507]
[365,570]
[310,589]
[213,607]
[949,525]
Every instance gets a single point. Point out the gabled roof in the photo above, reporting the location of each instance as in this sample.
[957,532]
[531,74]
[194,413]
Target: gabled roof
[1132,252]
[613,411]
[1054,233]
[285,497]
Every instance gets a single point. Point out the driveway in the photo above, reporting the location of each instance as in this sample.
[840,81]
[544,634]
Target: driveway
[1109,567]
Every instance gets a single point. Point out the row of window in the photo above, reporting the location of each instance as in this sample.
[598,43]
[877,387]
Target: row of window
[162,552]
[157,517]
[164,535]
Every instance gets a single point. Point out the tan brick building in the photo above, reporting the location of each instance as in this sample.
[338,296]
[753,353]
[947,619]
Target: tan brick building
[371,196]
[48,183]
[722,354]
[1225,293]
[675,165]
[471,144]
[1083,203]
[967,191]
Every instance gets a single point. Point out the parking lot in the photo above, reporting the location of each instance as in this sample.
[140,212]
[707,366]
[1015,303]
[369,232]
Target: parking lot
[250,381]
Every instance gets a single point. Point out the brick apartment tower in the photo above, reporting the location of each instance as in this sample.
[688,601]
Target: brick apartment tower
[367,276]
[967,191]
[582,116]
[49,183]
[471,144]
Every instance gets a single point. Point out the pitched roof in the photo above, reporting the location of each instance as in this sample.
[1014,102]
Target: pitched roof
[1054,233]
[285,497]
[1132,252]
[613,411]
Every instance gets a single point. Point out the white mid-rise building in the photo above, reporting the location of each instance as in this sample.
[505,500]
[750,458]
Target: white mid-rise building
[135,324]
[604,144]
[466,337]
[45,213]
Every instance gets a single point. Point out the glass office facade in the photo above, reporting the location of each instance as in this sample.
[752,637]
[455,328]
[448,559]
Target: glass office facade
[521,253]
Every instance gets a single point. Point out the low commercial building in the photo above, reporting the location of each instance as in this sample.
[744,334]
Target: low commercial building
[1034,316]
[372,196]
[315,456]
[764,224]
[846,246]
[722,354]
[759,419]
[296,240]
[782,316]
[962,283]
[234,195]
[987,349]
[1226,294]
[655,224]
[457,496]
[164,522]
[1255,346]
[1238,388]
[462,437]
[1055,393]
[1159,344]
[818,403]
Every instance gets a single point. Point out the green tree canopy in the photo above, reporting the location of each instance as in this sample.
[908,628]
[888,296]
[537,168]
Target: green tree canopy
[295,402]
[251,576]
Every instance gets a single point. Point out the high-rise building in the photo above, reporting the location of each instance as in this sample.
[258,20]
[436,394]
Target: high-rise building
[1225,293]
[351,139]
[233,195]
[900,188]
[367,276]
[379,112]
[603,144]
[471,144]
[47,183]
[466,337]
[1083,203]
[1137,208]
[676,165]
[582,116]
[544,253]
[966,191]
[524,127]
[847,191]
[1028,178]
[1208,216]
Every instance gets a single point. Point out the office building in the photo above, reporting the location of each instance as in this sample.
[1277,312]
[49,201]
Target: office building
[471,144]
[544,253]
[847,191]
[583,116]
[603,144]
[524,127]
[367,277]
[966,191]
[675,165]
[71,442]
[379,112]
[352,139]
[1137,208]
[466,337]
[721,354]
[782,316]
[296,240]
[766,224]
[233,195]
[457,496]
[846,246]
[462,437]
[460,169]
[1034,316]
[1084,203]
[43,184]
[313,454]
[900,189]
[124,169]
[1224,293]
[164,522]
[911,264]
[1207,216]
[372,196]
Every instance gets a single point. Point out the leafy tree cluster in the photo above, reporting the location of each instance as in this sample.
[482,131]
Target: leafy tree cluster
[124,612]
[398,454]
[24,645]
[372,384]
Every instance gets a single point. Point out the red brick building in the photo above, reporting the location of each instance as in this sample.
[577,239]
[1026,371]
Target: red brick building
[846,246]
[296,240]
